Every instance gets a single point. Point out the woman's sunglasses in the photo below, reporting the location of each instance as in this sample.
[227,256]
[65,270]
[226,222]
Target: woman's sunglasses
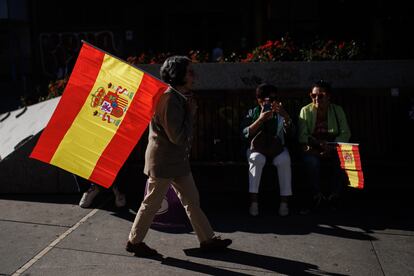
[320,96]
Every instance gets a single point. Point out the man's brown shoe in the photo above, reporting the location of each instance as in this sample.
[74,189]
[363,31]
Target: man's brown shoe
[141,250]
[215,244]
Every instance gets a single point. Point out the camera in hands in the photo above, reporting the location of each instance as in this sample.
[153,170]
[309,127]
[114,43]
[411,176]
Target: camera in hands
[267,106]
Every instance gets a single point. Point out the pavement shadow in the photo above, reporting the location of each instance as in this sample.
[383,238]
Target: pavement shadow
[274,264]
[358,220]
[361,215]
[201,268]
[292,225]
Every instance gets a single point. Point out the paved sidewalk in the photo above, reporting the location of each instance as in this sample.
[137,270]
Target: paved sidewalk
[51,235]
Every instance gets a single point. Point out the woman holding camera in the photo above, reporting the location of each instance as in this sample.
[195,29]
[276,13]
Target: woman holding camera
[265,127]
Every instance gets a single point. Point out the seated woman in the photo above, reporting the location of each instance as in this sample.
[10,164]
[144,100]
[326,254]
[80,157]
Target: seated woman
[270,118]
[321,124]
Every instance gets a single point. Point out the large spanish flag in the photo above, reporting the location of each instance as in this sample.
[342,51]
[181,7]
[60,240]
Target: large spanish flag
[351,162]
[106,106]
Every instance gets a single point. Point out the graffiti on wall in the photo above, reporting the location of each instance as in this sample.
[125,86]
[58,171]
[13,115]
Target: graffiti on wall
[58,51]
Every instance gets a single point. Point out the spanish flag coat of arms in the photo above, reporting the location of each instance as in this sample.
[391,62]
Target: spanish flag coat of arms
[104,110]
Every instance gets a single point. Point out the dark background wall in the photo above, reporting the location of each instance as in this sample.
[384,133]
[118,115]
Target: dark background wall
[34,32]
[40,40]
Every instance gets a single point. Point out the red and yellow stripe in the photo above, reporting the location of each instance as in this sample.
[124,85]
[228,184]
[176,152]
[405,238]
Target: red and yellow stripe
[351,163]
[91,146]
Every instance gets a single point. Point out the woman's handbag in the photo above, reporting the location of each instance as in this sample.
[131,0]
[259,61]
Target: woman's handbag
[269,145]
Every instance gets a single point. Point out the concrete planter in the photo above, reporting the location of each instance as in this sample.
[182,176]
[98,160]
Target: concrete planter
[343,74]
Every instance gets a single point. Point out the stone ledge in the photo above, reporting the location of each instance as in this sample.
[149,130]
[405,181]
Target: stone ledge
[343,74]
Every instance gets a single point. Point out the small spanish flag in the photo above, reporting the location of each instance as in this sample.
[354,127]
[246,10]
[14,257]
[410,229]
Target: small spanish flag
[351,162]
[105,108]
